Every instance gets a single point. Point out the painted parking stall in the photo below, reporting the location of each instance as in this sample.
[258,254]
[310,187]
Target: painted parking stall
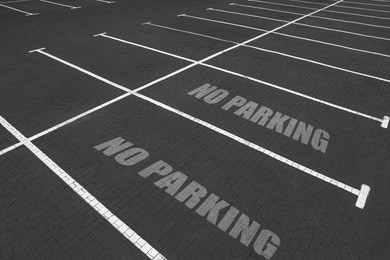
[199,131]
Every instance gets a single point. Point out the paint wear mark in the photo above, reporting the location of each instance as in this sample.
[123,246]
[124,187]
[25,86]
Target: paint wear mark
[217,211]
[266,117]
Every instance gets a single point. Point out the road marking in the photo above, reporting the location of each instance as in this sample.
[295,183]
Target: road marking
[15,1]
[286,35]
[343,6]
[362,193]
[18,10]
[107,2]
[315,16]
[248,78]
[331,11]
[285,55]
[300,24]
[350,2]
[54,3]
[118,224]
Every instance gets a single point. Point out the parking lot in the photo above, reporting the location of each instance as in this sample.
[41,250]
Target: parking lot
[243,129]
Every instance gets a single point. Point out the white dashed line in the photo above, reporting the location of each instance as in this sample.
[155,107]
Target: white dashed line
[301,24]
[59,4]
[119,225]
[286,35]
[314,16]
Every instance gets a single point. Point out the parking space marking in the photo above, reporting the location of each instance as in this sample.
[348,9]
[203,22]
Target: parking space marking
[286,55]
[300,24]
[107,2]
[343,6]
[315,16]
[15,1]
[18,10]
[286,35]
[332,11]
[362,193]
[114,221]
[384,122]
[59,4]
[359,3]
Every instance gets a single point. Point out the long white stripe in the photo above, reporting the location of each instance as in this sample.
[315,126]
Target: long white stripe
[300,24]
[314,16]
[15,1]
[278,53]
[359,3]
[286,35]
[107,2]
[250,78]
[18,10]
[118,224]
[343,6]
[55,3]
[362,193]
[331,11]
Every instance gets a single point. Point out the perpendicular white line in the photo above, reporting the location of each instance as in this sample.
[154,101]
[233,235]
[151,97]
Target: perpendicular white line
[59,4]
[331,11]
[18,10]
[362,194]
[277,53]
[300,24]
[113,220]
[314,16]
[41,50]
[343,6]
[286,35]
[202,62]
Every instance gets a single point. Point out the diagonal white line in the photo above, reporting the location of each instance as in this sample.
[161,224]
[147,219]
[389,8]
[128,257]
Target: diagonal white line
[285,35]
[314,16]
[278,53]
[118,224]
[59,4]
[301,24]
[343,6]
[18,10]
[383,121]
[330,11]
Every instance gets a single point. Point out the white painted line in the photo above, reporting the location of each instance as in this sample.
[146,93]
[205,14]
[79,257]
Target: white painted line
[202,62]
[359,3]
[314,16]
[362,194]
[331,11]
[18,10]
[300,24]
[385,122]
[41,50]
[15,1]
[107,2]
[281,54]
[384,1]
[125,230]
[55,3]
[343,6]
[286,35]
